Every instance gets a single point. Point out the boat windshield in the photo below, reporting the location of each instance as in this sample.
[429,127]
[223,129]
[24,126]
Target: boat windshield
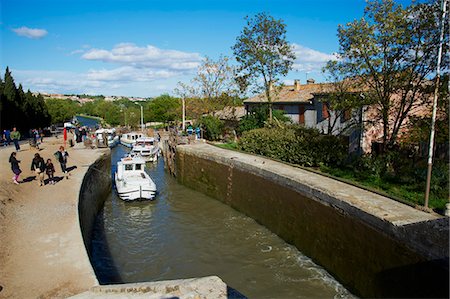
[128,167]
[138,166]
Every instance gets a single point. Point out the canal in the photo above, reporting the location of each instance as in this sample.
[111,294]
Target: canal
[185,234]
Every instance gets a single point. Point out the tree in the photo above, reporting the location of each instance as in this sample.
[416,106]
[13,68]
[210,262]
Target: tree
[215,79]
[263,52]
[392,51]
[164,109]
[343,97]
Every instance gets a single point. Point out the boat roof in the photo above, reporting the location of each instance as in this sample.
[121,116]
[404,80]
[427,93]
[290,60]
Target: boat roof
[132,160]
[145,139]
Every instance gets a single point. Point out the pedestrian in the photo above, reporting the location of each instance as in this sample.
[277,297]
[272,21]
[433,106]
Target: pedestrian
[197,132]
[15,136]
[7,137]
[38,166]
[50,170]
[15,167]
[41,134]
[62,155]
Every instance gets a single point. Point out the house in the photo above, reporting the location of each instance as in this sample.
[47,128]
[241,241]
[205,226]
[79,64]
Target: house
[306,104]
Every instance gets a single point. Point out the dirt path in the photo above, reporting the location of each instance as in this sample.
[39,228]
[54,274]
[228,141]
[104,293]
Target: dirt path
[41,250]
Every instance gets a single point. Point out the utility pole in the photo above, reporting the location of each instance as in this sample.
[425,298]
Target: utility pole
[433,116]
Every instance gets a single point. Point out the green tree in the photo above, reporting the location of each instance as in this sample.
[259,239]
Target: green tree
[61,110]
[163,109]
[392,51]
[263,52]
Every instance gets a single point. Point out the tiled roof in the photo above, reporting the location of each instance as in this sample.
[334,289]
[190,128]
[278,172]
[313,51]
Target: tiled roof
[288,94]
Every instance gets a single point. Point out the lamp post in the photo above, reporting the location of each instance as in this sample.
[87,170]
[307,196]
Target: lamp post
[142,116]
[184,115]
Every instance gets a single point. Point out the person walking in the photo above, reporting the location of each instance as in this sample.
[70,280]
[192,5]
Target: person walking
[7,137]
[38,166]
[50,170]
[15,167]
[15,136]
[62,158]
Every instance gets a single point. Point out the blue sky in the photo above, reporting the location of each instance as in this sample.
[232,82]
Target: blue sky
[143,48]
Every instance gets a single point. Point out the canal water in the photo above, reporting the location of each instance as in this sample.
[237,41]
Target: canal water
[185,234]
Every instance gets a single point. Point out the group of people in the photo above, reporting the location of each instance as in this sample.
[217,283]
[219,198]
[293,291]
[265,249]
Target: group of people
[40,166]
[13,136]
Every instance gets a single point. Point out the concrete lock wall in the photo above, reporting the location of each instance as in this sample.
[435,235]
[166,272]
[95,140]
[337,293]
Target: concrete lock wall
[94,190]
[371,257]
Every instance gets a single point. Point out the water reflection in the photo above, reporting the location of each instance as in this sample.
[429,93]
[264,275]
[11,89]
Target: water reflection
[185,234]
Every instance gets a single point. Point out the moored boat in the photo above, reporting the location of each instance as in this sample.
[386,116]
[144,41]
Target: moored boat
[129,139]
[147,148]
[132,182]
[106,138]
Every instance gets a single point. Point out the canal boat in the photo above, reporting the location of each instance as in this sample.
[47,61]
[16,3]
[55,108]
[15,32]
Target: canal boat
[147,148]
[132,182]
[106,138]
[129,139]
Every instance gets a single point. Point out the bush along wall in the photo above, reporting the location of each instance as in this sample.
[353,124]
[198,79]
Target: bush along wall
[295,144]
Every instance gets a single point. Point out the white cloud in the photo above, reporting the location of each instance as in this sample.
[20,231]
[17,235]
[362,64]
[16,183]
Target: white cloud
[309,60]
[30,32]
[129,74]
[126,81]
[148,57]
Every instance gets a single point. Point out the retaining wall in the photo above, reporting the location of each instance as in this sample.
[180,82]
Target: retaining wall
[374,246]
[94,190]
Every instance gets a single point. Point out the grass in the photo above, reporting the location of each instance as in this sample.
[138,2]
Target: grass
[230,146]
[406,193]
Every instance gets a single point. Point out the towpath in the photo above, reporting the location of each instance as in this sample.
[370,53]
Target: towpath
[42,254]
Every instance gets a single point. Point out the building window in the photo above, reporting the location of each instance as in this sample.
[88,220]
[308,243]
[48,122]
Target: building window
[325,113]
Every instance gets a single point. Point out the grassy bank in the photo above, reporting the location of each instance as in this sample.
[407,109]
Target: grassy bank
[408,188]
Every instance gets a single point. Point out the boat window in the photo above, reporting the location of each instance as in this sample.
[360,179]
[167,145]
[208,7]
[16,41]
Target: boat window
[138,166]
[129,167]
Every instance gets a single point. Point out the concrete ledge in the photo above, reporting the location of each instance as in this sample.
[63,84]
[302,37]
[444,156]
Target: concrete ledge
[375,246]
[211,287]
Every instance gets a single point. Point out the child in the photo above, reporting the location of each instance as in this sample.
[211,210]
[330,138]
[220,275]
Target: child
[15,167]
[50,170]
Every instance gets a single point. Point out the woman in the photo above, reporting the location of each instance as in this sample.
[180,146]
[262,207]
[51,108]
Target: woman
[38,166]
[15,167]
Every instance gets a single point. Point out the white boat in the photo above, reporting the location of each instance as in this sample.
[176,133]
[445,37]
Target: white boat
[129,139]
[132,182]
[106,138]
[147,148]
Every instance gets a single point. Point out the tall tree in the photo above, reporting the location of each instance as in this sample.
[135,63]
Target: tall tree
[263,52]
[392,51]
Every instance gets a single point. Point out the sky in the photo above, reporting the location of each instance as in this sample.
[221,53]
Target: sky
[142,48]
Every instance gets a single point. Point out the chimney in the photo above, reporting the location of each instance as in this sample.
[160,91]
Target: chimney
[296,85]
[310,81]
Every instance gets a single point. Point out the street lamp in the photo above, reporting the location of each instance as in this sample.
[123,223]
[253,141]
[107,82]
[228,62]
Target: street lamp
[142,116]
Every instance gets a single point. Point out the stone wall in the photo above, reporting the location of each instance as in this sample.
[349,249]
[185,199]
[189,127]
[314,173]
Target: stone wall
[370,255]
[94,190]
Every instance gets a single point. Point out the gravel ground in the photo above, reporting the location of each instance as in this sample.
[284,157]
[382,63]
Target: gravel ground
[41,249]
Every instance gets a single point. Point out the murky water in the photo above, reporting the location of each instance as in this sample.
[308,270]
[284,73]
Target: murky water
[185,234]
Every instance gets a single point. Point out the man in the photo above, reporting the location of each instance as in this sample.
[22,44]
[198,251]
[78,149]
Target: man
[62,155]
[15,136]
[38,166]
[6,137]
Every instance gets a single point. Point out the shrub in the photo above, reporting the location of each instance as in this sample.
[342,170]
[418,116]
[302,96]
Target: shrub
[212,127]
[294,144]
